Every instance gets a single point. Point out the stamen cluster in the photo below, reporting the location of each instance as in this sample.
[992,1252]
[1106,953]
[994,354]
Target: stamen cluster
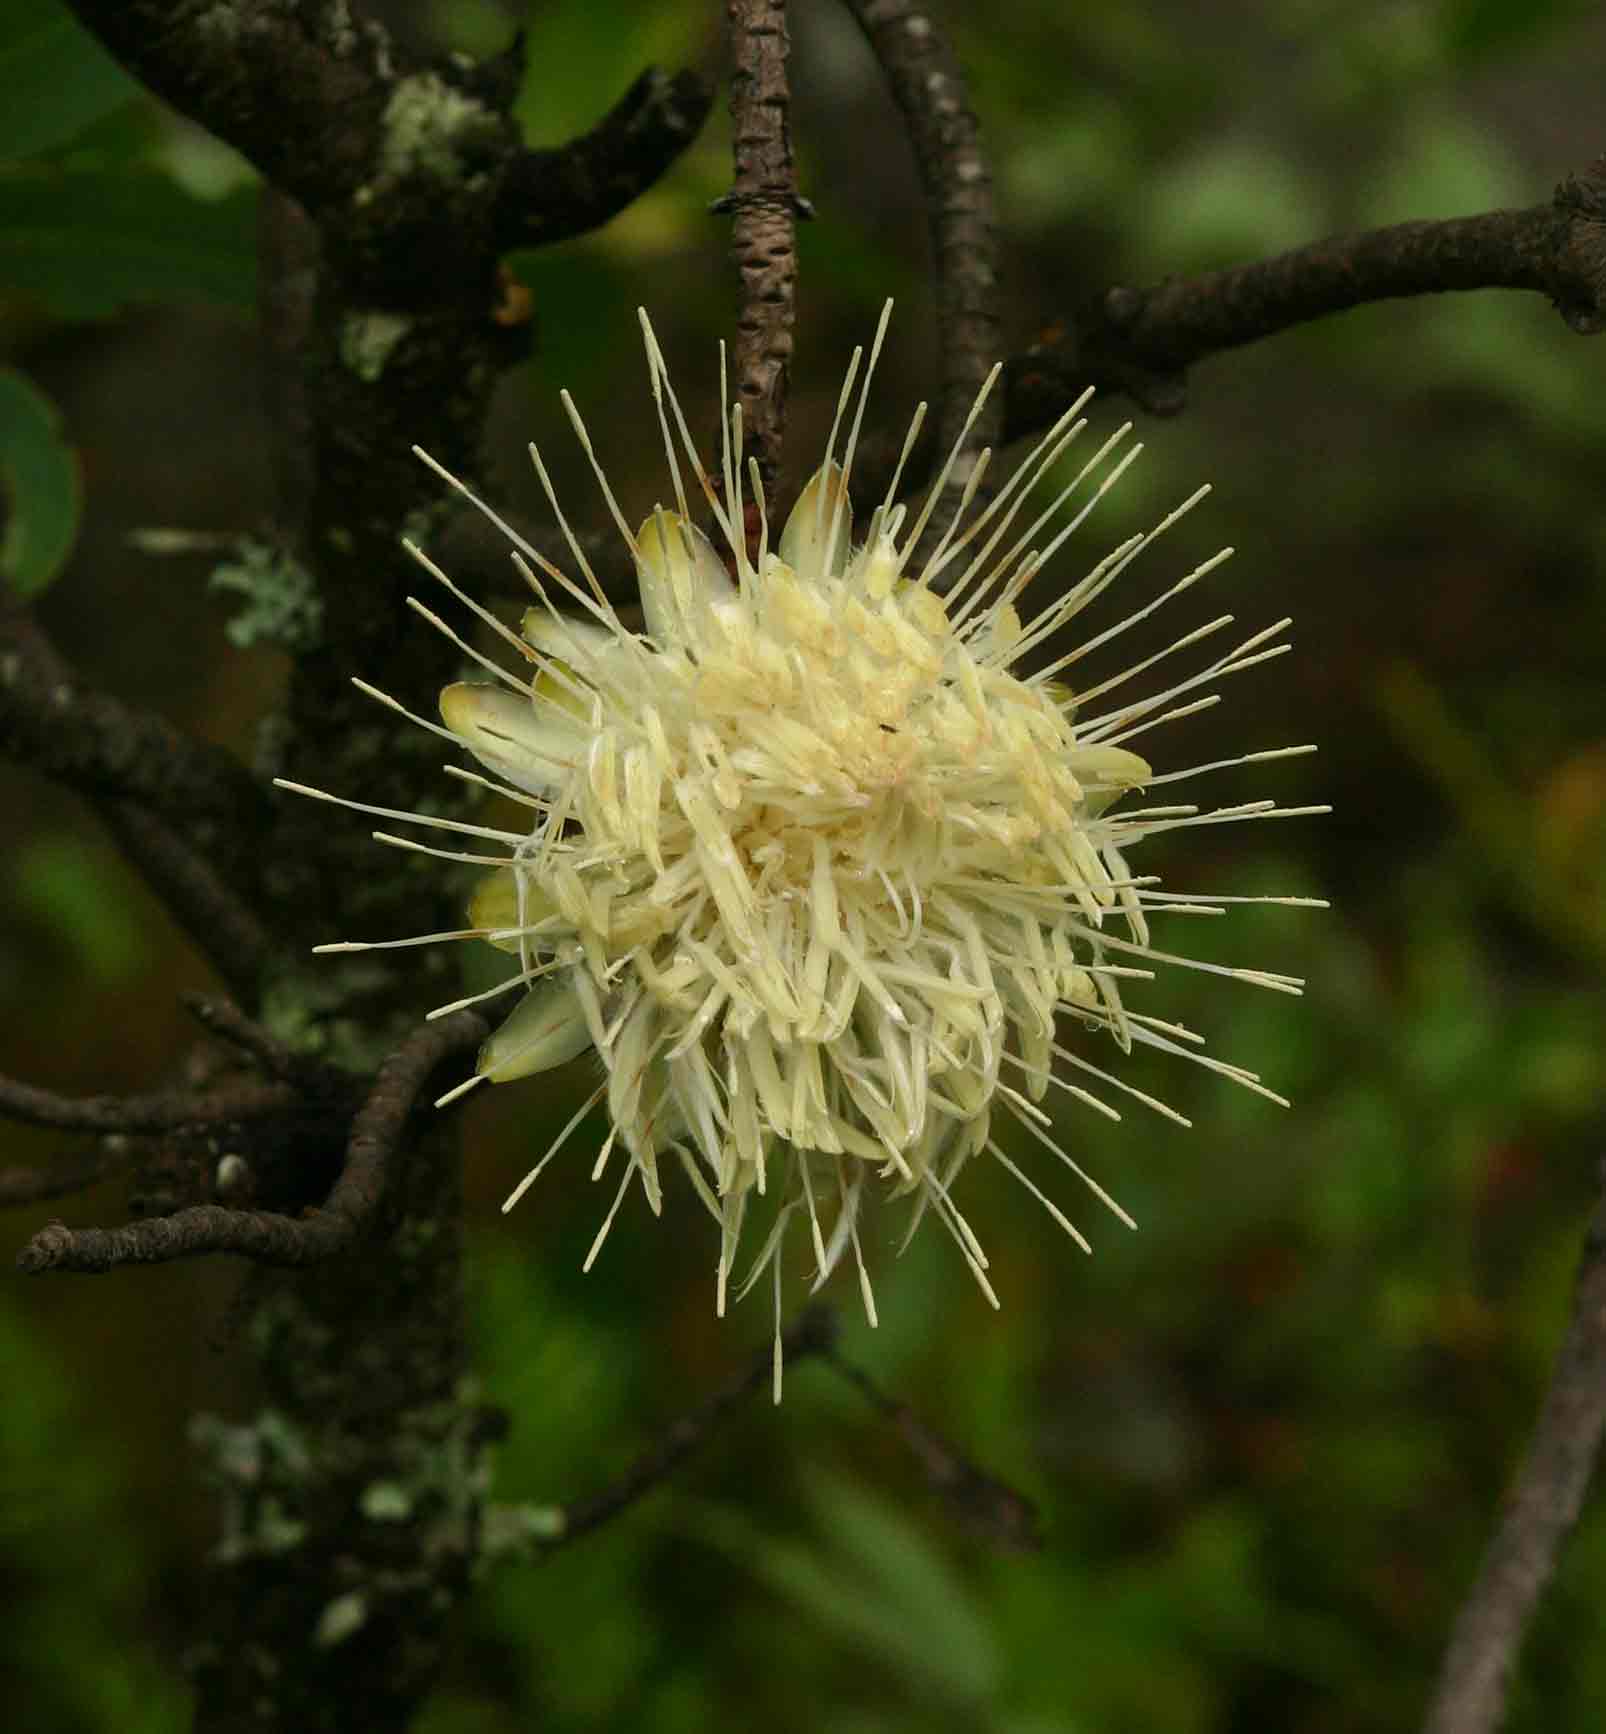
[814,863]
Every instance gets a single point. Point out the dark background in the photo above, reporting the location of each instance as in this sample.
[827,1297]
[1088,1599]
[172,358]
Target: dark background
[1268,1432]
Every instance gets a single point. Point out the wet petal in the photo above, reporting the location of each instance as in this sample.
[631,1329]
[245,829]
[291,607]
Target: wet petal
[1111,771]
[681,574]
[547,1028]
[566,638]
[495,904]
[526,744]
[806,544]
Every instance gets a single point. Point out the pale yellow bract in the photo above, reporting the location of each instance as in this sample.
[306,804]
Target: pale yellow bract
[813,863]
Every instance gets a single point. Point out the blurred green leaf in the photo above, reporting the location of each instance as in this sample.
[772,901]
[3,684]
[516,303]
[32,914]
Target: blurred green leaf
[602,53]
[72,888]
[1444,164]
[40,484]
[1481,29]
[56,77]
[902,1560]
[72,1562]
[1235,200]
[885,1587]
[87,243]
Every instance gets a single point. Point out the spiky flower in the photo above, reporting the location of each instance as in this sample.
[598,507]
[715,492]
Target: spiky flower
[815,862]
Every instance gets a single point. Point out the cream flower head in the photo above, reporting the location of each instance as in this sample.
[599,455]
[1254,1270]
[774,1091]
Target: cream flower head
[815,862]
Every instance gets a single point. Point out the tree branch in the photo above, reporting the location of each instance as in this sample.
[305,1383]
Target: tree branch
[297,86]
[1141,342]
[413,169]
[928,85]
[229,1024]
[54,723]
[551,195]
[158,1111]
[269,1237]
[223,927]
[1542,1507]
[186,815]
[763,205]
[27,1185]
[814,1333]
[989,1508]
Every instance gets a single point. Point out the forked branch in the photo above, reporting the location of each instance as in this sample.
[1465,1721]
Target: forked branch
[416,168]
[376,1139]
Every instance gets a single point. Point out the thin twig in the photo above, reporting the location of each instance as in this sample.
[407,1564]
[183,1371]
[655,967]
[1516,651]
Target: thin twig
[55,723]
[289,249]
[814,1333]
[988,1507]
[226,931]
[984,1504]
[763,205]
[155,787]
[157,1111]
[928,85]
[377,1136]
[1141,342]
[1542,1507]
[20,1185]
[223,1019]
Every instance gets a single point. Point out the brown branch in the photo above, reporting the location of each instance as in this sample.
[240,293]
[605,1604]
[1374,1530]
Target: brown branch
[814,1333]
[928,85]
[1140,342]
[225,929]
[54,723]
[28,1185]
[289,250]
[297,86]
[269,1237]
[185,814]
[550,195]
[987,1507]
[763,205]
[229,1024]
[414,170]
[158,1111]
[1542,1507]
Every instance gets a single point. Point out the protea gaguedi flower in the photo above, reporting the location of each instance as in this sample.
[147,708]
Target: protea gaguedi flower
[815,862]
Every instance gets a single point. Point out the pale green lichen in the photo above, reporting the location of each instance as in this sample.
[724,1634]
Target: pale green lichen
[254,1464]
[282,606]
[340,1619]
[386,1502]
[367,340]
[307,1014]
[425,125]
[519,1531]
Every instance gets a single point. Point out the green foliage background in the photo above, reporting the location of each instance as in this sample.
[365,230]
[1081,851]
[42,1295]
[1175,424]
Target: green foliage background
[1268,1432]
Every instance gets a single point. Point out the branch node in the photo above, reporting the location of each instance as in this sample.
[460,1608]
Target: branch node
[377,1135]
